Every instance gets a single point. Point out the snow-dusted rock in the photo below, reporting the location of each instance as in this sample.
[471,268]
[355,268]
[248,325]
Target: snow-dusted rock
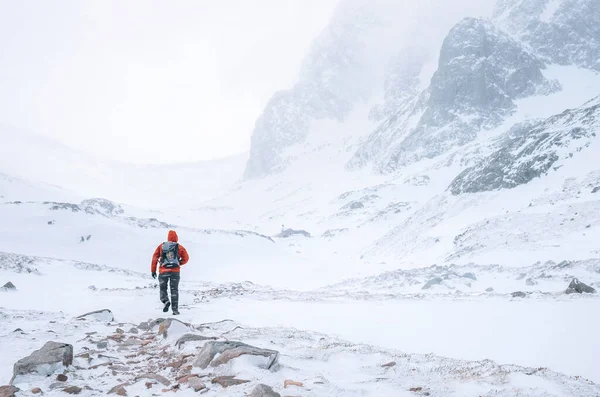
[529,151]
[8,391]
[292,232]
[101,206]
[191,338]
[8,287]
[227,351]
[578,287]
[103,315]
[561,31]
[264,391]
[519,294]
[173,328]
[228,381]
[481,72]
[51,357]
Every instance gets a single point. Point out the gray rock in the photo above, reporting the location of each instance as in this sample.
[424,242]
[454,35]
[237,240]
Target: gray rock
[45,361]
[531,150]
[134,331]
[578,287]
[432,282]
[227,351]
[72,390]
[191,338]
[596,189]
[8,391]
[470,275]
[519,294]
[264,391]
[353,205]
[228,381]
[490,289]
[104,315]
[102,345]
[291,232]
[148,325]
[530,282]
[8,287]
[196,384]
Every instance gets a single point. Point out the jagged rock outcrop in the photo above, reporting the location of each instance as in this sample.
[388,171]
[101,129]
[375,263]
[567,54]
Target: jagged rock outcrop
[531,150]
[102,206]
[335,76]
[481,72]
[8,287]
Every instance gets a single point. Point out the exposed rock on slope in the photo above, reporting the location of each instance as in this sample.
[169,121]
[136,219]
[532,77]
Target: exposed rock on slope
[530,151]
[561,31]
[481,72]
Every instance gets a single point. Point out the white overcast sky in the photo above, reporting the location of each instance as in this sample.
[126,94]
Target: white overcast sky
[133,80]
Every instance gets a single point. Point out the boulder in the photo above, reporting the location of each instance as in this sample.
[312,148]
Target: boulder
[519,294]
[8,287]
[264,391]
[578,287]
[62,378]
[432,282]
[490,289]
[134,331]
[36,390]
[229,350]
[227,381]
[104,315]
[45,361]
[191,338]
[8,391]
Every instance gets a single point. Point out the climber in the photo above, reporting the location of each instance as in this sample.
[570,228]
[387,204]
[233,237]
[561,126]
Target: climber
[170,255]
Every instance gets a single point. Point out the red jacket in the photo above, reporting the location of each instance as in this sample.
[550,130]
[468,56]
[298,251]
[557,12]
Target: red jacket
[182,254]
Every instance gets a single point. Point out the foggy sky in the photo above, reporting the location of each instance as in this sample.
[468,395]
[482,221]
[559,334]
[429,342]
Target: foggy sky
[150,81]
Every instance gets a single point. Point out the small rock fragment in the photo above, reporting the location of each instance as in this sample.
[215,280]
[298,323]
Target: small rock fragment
[432,282]
[134,331]
[120,331]
[415,389]
[389,365]
[36,390]
[156,377]
[196,384]
[62,378]
[42,361]
[519,294]
[530,282]
[227,381]
[102,345]
[119,390]
[292,383]
[73,390]
[490,289]
[104,315]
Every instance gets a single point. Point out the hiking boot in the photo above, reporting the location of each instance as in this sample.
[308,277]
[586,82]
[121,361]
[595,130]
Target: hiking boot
[175,312]
[167,306]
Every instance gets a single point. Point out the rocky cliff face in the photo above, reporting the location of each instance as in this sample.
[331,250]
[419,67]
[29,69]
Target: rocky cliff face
[531,150]
[481,72]
[565,32]
[336,75]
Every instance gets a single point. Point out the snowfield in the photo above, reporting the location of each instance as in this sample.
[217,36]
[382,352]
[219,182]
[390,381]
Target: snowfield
[431,230]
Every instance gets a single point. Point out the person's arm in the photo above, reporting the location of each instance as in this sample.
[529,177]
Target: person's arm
[183,254]
[155,259]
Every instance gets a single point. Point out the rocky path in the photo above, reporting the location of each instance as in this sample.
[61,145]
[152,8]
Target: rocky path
[95,355]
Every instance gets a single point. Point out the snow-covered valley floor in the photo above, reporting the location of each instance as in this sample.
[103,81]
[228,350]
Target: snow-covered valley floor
[334,344]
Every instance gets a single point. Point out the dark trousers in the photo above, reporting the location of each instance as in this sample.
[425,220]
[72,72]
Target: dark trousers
[173,279]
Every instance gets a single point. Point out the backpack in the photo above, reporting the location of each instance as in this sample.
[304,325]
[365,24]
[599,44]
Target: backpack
[170,255]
